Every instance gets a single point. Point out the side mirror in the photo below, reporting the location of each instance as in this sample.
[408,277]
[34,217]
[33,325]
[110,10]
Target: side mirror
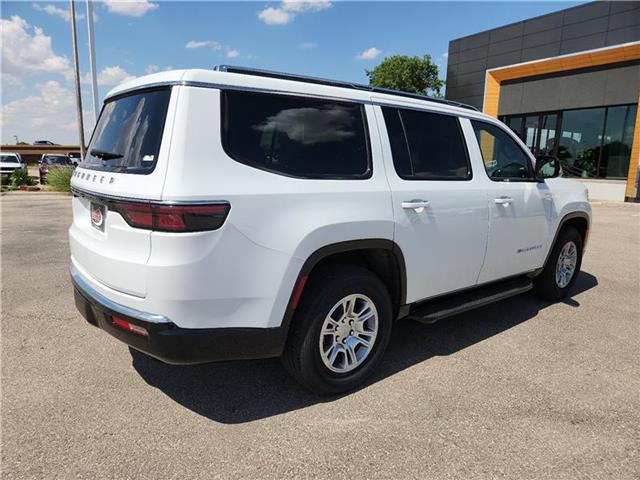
[547,166]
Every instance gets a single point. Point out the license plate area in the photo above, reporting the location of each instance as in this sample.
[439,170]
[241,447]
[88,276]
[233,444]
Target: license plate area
[98,214]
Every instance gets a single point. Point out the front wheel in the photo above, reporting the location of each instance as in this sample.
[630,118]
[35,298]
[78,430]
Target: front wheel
[340,331]
[562,267]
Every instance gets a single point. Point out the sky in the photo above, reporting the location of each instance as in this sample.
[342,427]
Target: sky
[323,38]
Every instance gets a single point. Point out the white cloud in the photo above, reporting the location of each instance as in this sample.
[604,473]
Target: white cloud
[203,43]
[131,8]
[305,5]
[307,45]
[151,69]
[49,114]
[63,13]
[445,55]
[275,16]
[113,76]
[26,50]
[369,54]
[229,52]
[110,76]
[288,9]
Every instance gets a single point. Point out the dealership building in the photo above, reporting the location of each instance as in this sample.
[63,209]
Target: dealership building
[568,84]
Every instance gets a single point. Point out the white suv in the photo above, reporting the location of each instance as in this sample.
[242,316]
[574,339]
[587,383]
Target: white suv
[236,214]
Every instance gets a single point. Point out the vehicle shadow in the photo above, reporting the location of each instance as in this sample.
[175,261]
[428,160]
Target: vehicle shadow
[244,391]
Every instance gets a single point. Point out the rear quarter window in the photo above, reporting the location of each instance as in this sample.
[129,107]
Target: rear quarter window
[296,136]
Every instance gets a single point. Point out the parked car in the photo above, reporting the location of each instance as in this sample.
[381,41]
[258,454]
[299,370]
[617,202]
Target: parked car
[50,161]
[10,162]
[44,142]
[245,214]
[75,157]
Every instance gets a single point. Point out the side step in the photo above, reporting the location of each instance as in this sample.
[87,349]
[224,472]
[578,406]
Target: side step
[433,310]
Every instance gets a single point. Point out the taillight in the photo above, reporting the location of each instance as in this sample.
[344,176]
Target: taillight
[173,218]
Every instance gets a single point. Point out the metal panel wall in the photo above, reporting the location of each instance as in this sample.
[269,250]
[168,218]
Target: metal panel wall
[582,89]
[585,27]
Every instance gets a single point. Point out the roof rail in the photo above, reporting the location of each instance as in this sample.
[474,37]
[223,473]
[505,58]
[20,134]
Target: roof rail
[335,83]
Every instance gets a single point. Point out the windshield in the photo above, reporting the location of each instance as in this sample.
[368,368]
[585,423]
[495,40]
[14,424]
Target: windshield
[10,159]
[128,134]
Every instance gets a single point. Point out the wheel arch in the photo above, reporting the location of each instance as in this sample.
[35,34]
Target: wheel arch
[579,220]
[382,256]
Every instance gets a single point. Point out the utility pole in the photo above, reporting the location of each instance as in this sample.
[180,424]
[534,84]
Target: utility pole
[74,42]
[92,61]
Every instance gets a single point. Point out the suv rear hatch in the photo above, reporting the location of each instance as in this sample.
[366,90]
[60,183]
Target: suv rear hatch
[125,164]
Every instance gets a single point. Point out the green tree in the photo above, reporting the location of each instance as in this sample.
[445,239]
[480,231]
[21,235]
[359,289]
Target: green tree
[408,74]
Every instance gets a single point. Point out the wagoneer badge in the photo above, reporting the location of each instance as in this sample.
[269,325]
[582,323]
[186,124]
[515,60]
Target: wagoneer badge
[97,216]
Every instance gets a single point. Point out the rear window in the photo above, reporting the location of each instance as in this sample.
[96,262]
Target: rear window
[296,136]
[56,160]
[128,134]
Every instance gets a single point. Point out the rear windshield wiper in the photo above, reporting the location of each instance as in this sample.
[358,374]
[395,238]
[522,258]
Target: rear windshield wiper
[102,155]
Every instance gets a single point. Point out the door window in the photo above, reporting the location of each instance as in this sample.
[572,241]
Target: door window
[503,159]
[426,146]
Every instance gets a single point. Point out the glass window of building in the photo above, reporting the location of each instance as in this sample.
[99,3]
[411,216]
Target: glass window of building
[579,144]
[616,143]
[590,142]
[515,124]
[546,144]
[531,132]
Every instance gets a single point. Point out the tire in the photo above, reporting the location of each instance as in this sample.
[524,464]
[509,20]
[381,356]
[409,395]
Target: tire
[550,286]
[352,361]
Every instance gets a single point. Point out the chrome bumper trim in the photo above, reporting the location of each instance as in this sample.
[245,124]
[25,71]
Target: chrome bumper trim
[82,285]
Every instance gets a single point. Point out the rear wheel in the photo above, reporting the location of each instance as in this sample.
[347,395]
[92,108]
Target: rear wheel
[562,267]
[340,330]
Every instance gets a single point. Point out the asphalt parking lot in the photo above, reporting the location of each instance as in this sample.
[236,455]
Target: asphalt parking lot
[520,389]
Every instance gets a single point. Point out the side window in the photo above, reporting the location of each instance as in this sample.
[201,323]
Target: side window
[503,158]
[426,146]
[296,136]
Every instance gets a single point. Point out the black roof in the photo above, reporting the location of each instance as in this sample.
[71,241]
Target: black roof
[336,83]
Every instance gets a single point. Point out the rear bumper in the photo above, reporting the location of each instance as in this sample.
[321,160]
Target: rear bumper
[170,343]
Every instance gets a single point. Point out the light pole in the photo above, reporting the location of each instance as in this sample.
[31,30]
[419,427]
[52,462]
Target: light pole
[74,42]
[92,61]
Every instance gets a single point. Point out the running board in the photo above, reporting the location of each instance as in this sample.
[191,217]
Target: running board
[434,310]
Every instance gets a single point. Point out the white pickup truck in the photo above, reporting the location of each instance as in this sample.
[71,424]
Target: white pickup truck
[238,214]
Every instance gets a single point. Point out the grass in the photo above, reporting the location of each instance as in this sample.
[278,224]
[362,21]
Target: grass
[59,179]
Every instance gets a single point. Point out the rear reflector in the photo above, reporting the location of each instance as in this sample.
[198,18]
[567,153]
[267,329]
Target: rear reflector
[585,239]
[297,293]
[129,327]
[173,218]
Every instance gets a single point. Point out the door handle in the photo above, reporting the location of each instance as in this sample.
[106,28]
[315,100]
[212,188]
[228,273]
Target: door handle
[417,205]
[503,200]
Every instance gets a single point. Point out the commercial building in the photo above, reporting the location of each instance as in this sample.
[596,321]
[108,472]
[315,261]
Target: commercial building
[568,84]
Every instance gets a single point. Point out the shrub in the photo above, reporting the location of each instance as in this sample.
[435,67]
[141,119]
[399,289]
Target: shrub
[20,177]
[60,178]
